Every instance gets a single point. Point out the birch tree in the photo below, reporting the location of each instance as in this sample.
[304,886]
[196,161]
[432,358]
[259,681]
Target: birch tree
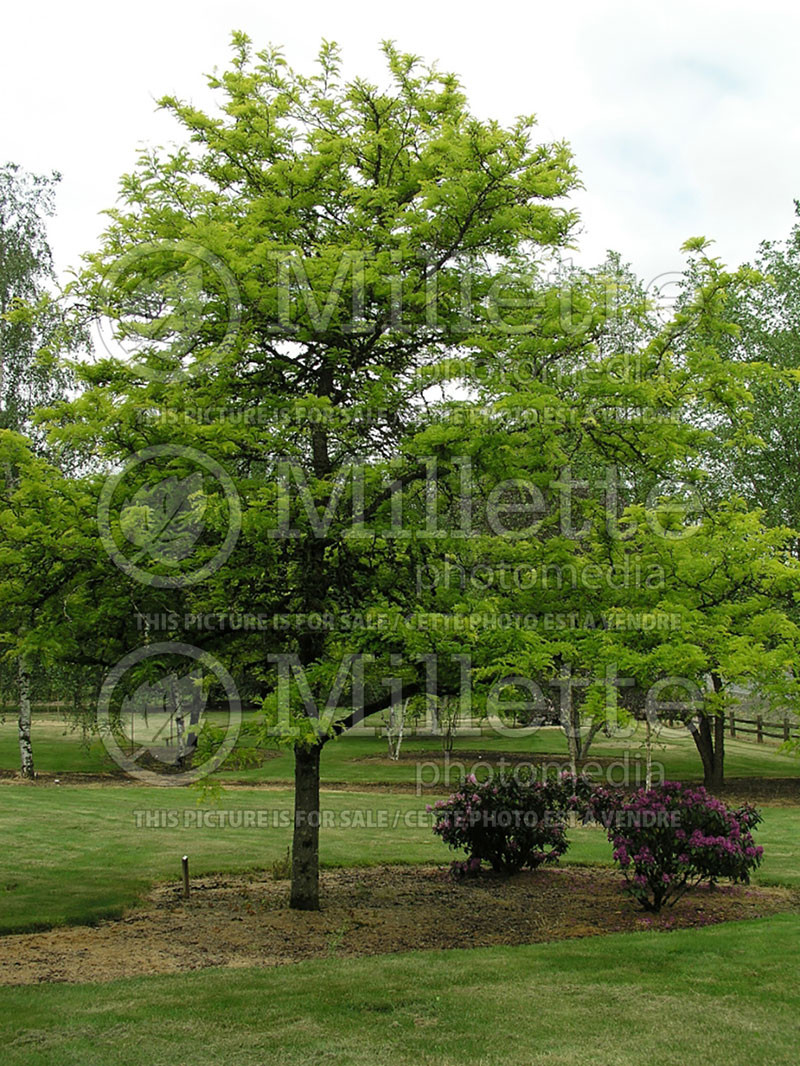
[30,375]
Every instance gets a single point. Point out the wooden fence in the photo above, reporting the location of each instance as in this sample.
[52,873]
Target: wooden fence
[772,730]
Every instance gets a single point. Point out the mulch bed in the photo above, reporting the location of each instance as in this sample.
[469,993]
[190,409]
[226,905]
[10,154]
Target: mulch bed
[245,921]
[777,790]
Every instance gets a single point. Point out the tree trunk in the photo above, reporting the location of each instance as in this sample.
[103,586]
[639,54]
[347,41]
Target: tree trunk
[701,732]
[317,581]
[395,729]
[648,780]
[718,764]
[585,743]
[305,846]
[25,746]
[711,746]
[718,772]
[570,723]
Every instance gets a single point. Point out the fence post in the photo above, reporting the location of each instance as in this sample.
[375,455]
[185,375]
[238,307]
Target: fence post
[786,733]
[733,724]
[759,729]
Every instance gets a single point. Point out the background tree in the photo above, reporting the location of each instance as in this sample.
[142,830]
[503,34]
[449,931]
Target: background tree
[594,409]
[722,617]
[31,377]
[767,320]
[45,541]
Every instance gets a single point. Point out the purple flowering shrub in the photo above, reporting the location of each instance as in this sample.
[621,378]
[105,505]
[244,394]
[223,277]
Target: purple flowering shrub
[509,821]
[672,837]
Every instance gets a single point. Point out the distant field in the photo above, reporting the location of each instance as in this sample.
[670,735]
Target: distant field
[360,758]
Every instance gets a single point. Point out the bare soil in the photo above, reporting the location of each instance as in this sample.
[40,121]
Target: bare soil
[780,791]
[245,921]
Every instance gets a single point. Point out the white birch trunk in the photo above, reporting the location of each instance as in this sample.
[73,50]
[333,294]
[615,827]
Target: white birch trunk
[25,746]
[648,780]
[396,728]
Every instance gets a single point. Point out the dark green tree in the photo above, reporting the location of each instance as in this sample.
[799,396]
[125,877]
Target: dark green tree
[767,317]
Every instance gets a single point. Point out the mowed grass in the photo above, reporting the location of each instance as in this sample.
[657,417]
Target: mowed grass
[79,853]
[57,748]
[75,854]
[725,994]
[360,757]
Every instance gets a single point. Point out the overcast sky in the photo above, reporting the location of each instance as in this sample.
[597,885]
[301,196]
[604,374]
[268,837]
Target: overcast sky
[683,119]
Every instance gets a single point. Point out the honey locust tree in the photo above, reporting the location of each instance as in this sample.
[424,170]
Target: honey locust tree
[767,317]
[284,289]
[721,617]
[583,417]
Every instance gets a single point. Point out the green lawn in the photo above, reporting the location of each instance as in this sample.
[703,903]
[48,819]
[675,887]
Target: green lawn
[56,747]
[79,853]
[725,994]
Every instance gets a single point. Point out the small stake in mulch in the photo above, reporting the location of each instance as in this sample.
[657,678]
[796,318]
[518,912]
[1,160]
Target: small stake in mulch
[185,865]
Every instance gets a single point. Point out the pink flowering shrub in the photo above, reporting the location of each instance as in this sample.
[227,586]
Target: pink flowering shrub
[509,821]
[672,837]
